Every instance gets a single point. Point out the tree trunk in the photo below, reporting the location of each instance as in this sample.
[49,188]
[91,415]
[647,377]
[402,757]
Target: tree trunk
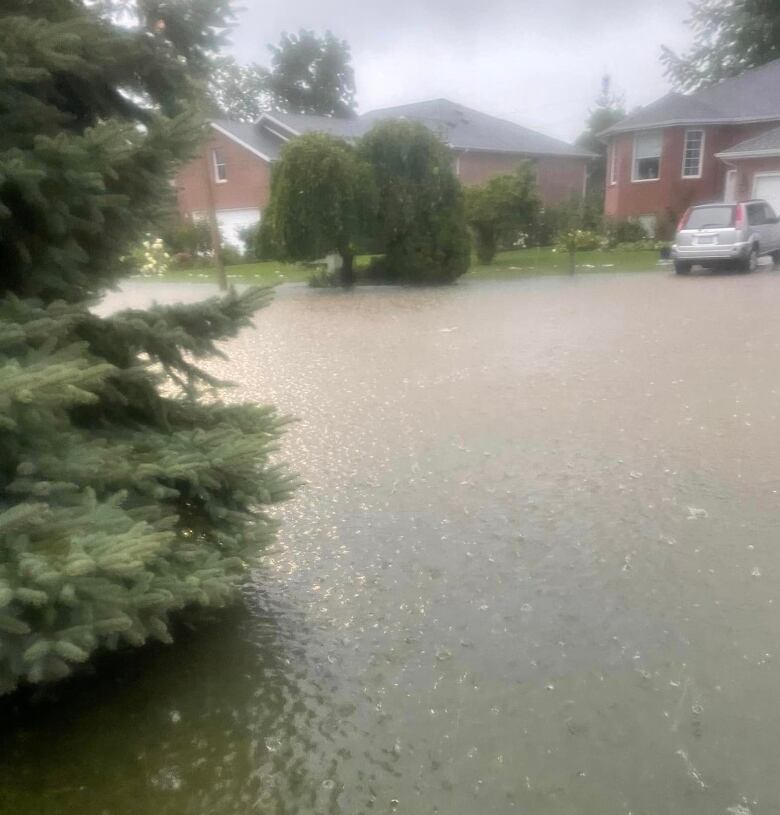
[572,264]
[347,268]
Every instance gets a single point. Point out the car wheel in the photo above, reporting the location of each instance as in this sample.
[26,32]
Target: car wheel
[681,267]
[750,263]
[776,258]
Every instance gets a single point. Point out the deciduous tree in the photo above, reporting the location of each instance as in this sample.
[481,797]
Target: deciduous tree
[730,36]
[322,200]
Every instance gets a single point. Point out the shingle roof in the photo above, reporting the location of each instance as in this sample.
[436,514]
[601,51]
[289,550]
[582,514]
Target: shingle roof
[461,127]
[767,143]
[749,97]
[467,129]
[256,138]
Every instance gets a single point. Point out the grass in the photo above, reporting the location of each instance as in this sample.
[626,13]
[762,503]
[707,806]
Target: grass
[546,261]
[506,265]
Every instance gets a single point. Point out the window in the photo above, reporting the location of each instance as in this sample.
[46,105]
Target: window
[647,156]
[613,163]
[220,168]
[693,153]
[710,218]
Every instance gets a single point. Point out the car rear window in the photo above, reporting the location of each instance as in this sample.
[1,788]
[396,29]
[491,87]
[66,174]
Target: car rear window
[710,218]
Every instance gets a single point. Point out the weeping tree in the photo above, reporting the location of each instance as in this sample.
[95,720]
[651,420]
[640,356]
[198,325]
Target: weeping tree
[125,495]
[321,201]
[420,224]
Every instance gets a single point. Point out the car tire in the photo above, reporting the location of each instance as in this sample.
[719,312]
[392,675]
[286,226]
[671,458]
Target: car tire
[681,267]
[776,258]
[750,263]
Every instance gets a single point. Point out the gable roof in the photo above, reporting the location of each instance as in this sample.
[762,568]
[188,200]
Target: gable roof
[258,140]
[460,127]
[767,144]
[464,128]
[753,96]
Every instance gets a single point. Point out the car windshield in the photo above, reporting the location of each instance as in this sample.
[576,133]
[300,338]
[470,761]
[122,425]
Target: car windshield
[710,217]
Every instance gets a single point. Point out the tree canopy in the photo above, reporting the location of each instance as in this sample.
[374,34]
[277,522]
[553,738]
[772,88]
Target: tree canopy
[312,74]
[607,111]
[322,199]
[500,209]
[420,224]
[239,92]
[730,36]
[125,495]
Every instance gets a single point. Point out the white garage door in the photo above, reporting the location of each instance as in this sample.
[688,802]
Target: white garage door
[232,221]
[768,188]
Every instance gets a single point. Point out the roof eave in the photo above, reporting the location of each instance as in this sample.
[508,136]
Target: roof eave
[241,142]
[731,120]
[737,154]
[583,154]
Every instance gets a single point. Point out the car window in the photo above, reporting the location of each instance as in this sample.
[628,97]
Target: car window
[769,213]
[756,214]
[710,217]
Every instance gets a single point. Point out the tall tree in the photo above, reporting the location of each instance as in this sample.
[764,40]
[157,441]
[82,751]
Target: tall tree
[730,36]
[124,494]
[421,224]
[321,200]
[607,111]
[311,74]
[239,92]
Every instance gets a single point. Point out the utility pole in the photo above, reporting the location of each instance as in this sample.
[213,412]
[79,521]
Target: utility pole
[216,243]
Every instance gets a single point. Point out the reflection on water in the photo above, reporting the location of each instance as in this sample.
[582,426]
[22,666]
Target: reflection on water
[533,570]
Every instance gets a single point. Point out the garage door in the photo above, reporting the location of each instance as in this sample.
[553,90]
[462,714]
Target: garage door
[768,188]
[232,221]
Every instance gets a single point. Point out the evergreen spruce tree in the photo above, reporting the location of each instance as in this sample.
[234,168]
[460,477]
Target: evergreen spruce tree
[125,495]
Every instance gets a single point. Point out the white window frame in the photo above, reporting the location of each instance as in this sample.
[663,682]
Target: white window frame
[636,180]
[613,164]
[217,165]
[701,151]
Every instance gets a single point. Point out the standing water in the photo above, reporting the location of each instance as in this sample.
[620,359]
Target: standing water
[534,568]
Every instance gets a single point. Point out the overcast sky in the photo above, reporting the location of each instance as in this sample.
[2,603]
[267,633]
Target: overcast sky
[537,62]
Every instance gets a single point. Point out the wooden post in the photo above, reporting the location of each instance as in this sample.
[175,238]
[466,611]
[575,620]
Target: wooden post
[211,212]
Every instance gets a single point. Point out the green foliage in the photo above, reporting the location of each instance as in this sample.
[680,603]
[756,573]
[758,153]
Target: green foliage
[625,231]
[608,110]
[730,36]
[312,74]
[185,236]
[322,197]
[502,210]
[420,226]
[581,240]
[239,92]
[125,495]
[556,219]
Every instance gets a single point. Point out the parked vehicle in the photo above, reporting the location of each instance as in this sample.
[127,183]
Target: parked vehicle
[734,235]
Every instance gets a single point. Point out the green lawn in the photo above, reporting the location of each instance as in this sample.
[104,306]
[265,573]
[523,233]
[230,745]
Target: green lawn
[547,261]
[518,263]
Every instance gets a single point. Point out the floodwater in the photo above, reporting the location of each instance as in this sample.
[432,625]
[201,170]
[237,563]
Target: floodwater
[534,569]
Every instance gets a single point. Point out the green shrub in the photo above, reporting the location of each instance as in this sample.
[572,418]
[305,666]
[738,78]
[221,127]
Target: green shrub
[420,222]
[625,231]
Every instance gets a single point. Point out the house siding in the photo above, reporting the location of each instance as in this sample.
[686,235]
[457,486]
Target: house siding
[558,178]
[248,182]
[671,194]
[747,169]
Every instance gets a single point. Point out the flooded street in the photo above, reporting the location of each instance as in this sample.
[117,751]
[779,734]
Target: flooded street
[534,568]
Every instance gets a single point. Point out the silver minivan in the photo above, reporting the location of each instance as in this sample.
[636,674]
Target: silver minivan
[734,235]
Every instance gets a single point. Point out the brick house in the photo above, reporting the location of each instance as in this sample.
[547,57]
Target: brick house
[233,168]
[712,145]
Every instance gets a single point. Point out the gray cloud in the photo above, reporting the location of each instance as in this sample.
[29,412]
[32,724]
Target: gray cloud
[537,63]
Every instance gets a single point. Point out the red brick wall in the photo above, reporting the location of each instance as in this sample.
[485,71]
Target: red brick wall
[747,168]
[671,191]
[558,179]
[248,179]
